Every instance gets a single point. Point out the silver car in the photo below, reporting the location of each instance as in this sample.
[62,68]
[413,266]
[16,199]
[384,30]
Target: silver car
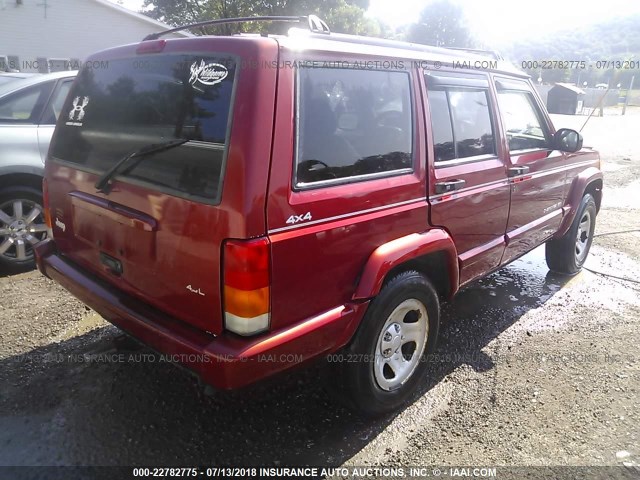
[29,109]
[12,77]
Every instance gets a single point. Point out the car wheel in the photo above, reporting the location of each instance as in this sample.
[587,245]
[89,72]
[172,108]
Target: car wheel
[382,367]
[568,253]
[22,225]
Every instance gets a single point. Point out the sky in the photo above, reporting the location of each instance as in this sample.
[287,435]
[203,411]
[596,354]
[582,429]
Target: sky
[497,22]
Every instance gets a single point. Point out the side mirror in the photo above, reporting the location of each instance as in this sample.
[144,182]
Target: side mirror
[567,140]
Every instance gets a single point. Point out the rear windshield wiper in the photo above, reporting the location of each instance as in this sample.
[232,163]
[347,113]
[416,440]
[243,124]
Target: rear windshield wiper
[104,182]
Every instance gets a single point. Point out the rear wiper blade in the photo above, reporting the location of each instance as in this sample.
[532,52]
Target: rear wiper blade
[104,182]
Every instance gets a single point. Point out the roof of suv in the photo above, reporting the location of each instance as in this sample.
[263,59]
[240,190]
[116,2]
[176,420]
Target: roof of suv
[319,37]
[300,39]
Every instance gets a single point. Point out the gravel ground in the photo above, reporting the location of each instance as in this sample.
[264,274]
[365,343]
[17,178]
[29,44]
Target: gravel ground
[531,369]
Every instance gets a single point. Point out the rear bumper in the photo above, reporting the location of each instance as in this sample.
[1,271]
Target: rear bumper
[226,361]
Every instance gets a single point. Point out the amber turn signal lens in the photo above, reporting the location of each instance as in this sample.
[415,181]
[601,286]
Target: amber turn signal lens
[246,290]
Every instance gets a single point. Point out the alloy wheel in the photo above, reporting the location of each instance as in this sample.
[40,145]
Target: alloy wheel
[21,227]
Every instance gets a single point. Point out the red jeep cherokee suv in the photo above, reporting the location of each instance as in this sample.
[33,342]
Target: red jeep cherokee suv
[245,204]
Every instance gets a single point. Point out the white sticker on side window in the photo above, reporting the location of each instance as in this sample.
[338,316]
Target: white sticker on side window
[207,73]
[77,111]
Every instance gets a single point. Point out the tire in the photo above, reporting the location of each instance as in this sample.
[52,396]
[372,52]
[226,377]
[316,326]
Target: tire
[567,254]
[378,372]
[22,225]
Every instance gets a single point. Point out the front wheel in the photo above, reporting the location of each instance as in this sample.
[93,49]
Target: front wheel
[22,225]
[568,253]
[384,364]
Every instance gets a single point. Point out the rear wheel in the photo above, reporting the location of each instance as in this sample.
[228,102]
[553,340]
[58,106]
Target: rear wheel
[22,225]
[387,359]
[568,253]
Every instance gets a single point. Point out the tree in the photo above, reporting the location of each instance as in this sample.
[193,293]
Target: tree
[441,24]
[599,45]
[346,16]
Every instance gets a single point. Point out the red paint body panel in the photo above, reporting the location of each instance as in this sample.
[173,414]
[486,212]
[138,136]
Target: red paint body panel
[581,177]
[534,196]
[184,248]
[476,216]
[350,221]
[324,270]
[405,249]
[224,361]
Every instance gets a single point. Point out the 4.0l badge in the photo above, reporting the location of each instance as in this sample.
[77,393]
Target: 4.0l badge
[194,290]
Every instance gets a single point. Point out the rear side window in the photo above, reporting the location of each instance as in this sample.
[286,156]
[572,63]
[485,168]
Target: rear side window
[461,123]
[471,123]
[114,111]
[25,106]
[352,123]
[524,128]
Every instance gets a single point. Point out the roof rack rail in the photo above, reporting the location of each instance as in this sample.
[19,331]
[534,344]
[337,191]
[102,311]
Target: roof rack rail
[314,24]
[493,54]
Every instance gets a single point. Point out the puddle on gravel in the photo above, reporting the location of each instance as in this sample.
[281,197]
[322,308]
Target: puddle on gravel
[544,300]
[525,283]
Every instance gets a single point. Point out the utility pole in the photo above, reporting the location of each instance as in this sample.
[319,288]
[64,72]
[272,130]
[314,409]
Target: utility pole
[626,100]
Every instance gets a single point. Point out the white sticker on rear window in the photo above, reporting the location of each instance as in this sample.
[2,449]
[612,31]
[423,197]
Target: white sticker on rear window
[207,73]
[77,111]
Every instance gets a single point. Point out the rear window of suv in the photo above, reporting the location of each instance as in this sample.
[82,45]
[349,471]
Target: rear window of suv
[134,102]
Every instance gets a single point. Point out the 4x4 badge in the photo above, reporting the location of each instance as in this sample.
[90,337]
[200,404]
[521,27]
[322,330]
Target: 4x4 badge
[207,73]
[293,219]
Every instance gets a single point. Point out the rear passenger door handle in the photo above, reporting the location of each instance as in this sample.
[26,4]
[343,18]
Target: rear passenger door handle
[449,186]
[515,171]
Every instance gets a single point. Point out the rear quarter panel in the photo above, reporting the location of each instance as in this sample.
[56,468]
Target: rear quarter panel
[316,265]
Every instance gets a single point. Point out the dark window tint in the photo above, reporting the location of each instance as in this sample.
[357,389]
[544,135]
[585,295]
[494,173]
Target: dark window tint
[25,106]
[351,123]
[522,121]
[441,126]
[111,112]
[471,123]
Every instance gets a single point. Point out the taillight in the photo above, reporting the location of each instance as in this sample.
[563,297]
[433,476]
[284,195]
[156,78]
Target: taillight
[45,206]
[246,280]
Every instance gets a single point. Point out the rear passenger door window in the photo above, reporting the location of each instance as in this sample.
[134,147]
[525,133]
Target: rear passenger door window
[472,127]
[525,130]
[461,124]
[441,126]
[352,125]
